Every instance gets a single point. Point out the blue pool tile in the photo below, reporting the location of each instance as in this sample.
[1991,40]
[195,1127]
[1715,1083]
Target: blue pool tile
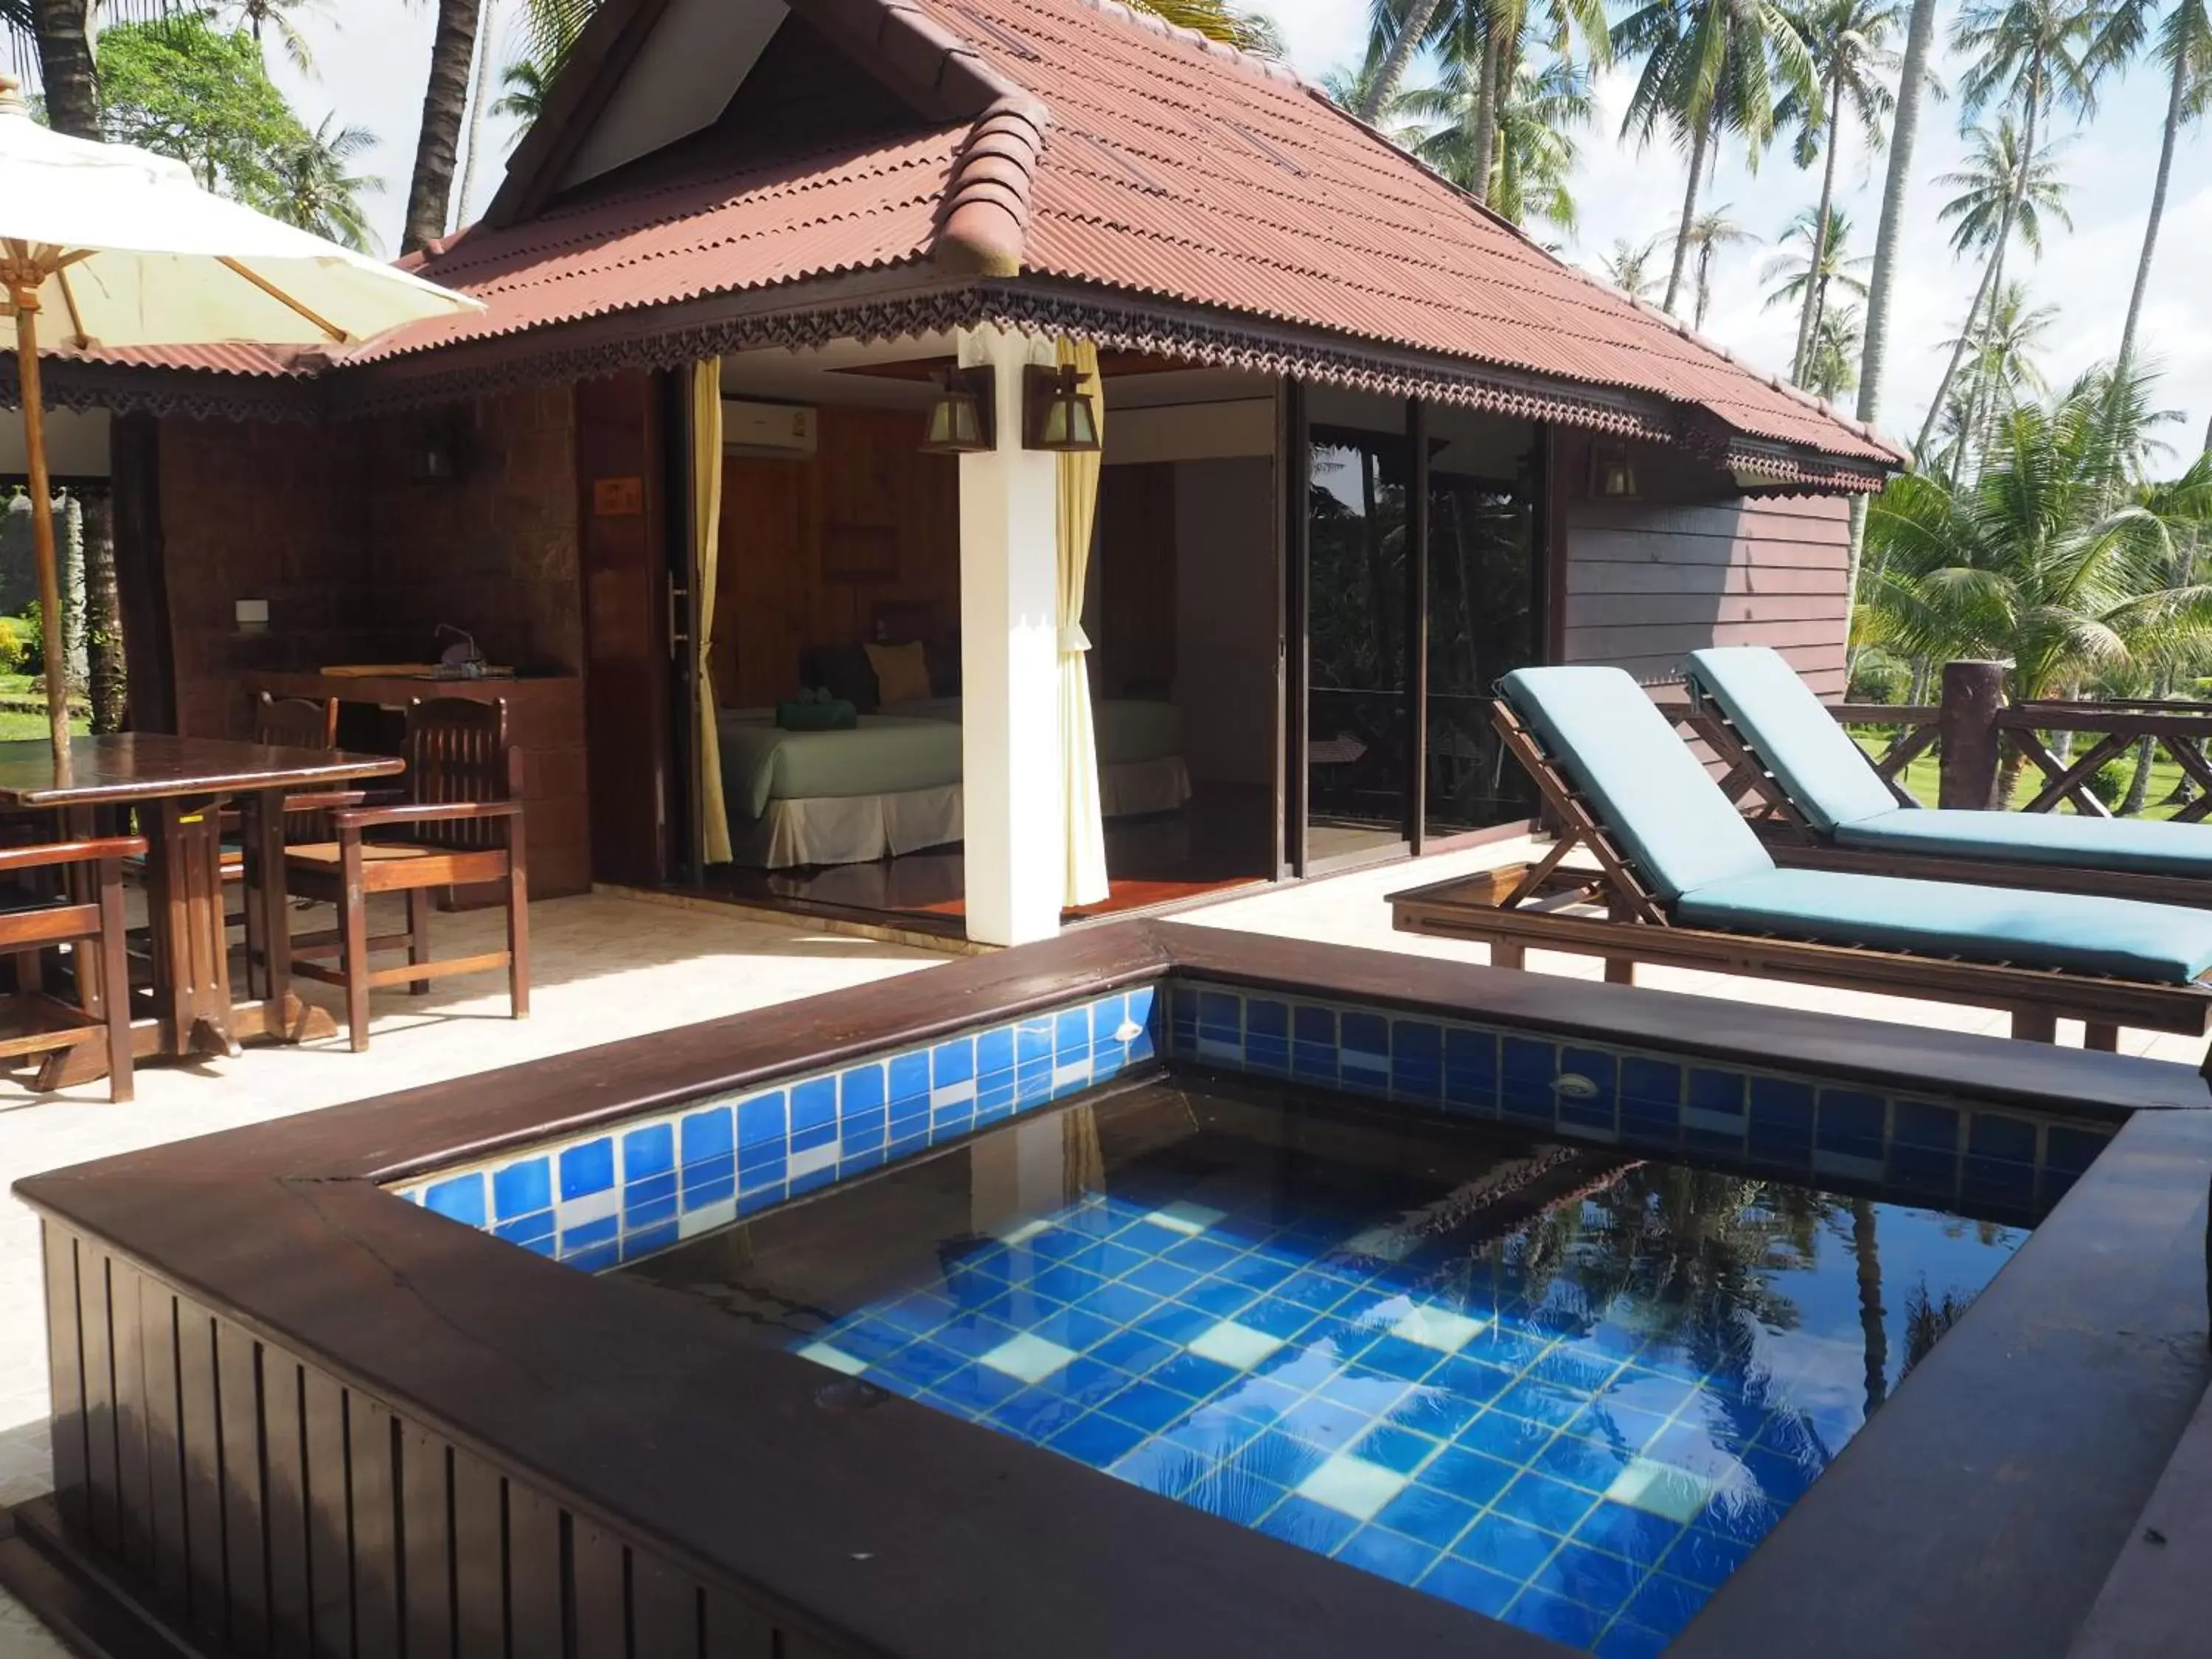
[1590,1576]
[710,1133]
[753,1199]
[1107,1014]
[654,1190]
[1462,1473]
[1704,1557]
[597,1259]
[1712,1101]
[1553,1506]
[2070,1151]
[906,1078]
[529,1229]
[1232,1496]
[954,1062]
[1626,1641]
[1364,1046]
[587,1169]
[813,1114]
[1594,1110]
[645,1241]
[1436,1518]
[522,1187]
[1144,1013]
[1852,1123]
[649,1152]
[860,1092]
[604,1230]
[1475,1587]
[761,1121]
[1470,1070]
[1309,1525]
[701,1189]
[1096,1439]
[1266,1035]
[1923,1123]
[1585,1463]
[1527,1070]
[994,1053]
[1159,1466]
[1637,1535]
[1394,1448]
[1033,1043]
[1650,1100]
[1665,1604]
[1417,1060]
[1504,1545]
[1313,1043]
[1388,1554]
[1564,1622]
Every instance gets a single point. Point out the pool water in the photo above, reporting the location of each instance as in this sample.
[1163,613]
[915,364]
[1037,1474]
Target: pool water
[1562,1387]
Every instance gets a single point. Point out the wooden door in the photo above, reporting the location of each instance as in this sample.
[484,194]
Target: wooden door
[622,476]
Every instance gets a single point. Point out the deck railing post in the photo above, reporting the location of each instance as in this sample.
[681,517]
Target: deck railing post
[1973,691]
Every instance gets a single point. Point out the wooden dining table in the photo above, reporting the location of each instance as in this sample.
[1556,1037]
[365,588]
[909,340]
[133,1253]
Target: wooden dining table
[177,786]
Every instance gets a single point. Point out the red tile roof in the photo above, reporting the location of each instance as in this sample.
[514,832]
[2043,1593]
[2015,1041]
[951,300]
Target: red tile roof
[1170,166]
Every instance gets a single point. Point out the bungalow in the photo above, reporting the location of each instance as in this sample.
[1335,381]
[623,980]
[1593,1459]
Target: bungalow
[1162,463]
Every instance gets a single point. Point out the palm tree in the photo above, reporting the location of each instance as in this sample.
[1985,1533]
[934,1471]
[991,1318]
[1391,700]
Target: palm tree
[445,104]
[2031,560]
[2184,46]
[1889,235]
[480,102]
[1537,149]
[1846,39]
[1827,263]
[1832,366]
[2003,369]
[1629,267]
[2029,57]
[315,190]
[2003,191]
[1709,232]
[1401,25]
[524,97]
[1710,66]
[256,14]
[1250,31]
[63,29]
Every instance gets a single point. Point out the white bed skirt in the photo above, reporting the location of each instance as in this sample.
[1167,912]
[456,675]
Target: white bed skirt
[861,829]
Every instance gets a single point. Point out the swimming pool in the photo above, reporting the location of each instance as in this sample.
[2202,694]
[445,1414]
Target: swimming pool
[1564,1387]
[383,1380]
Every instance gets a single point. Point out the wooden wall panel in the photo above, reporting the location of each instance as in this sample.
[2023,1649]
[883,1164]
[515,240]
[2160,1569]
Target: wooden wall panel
[1690,564]
[271,1510]
[1135,650]
[810,548]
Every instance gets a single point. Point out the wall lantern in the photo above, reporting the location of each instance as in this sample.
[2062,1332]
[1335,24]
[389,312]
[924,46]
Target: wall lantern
[962,417]
[1613,474]
[1056,413]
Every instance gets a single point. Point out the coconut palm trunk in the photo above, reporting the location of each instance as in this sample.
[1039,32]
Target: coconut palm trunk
[1816,290]
[1874,348]
[2176,101]
[1416,26]
[1486,112]
[444,103]
[65,65]
[1874,1332]
[1700,140]
[480,98]
[104,672]
[1984,293]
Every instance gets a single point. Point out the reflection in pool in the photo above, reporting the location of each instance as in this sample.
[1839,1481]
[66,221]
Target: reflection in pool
[1562,1387]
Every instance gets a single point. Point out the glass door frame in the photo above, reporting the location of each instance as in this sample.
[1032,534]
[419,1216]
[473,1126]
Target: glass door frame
[1293,679]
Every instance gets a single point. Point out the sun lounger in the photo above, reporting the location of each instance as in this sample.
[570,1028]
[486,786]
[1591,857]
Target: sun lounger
[1834,811]
[1685,882]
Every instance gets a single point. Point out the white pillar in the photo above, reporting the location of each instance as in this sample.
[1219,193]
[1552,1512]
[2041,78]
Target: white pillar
[1010,664]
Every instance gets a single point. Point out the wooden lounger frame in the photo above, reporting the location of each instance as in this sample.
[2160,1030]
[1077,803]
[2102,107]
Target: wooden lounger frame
[1518,909]
[1795,843]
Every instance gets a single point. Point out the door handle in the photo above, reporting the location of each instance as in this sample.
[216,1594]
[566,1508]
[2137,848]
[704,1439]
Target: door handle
[677,593]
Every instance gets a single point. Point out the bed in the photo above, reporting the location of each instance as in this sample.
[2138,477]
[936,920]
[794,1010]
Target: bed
[891,784]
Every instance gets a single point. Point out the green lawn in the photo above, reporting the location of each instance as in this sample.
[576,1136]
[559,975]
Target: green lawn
[1920,779]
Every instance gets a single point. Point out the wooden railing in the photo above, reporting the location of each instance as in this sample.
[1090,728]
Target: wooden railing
[1973,731]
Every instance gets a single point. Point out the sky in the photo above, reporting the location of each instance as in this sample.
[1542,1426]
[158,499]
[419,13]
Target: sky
[371,57]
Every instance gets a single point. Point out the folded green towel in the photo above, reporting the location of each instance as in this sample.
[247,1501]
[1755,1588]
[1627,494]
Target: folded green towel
[815,711]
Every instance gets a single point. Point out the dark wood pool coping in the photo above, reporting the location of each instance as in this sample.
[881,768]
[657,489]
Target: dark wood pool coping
[1978,1512]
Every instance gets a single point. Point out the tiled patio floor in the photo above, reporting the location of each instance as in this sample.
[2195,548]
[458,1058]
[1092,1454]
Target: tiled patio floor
[609,967]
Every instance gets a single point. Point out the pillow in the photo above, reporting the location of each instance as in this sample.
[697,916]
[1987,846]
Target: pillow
[901,672]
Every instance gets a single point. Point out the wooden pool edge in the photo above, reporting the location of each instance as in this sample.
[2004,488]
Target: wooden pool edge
[330,1312]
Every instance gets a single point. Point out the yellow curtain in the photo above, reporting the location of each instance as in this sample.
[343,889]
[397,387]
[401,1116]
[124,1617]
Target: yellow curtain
[1079,746]
[706,535]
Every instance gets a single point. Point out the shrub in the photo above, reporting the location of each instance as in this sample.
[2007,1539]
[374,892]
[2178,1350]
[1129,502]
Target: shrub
[11,647]
[2110,784]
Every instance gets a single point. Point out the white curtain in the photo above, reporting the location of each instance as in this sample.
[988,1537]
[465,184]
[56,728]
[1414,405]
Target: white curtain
[1079,746]
[707,540]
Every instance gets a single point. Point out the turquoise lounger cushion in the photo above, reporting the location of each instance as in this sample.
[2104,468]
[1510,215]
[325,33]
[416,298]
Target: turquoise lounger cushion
[1647,787]
[1828,777]
[2158,943]
[2145,846]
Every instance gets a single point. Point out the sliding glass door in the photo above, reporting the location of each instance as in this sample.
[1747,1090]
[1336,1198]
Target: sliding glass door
[1421,584]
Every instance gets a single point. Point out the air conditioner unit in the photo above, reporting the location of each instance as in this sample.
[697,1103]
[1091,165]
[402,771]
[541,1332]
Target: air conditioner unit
[750,428]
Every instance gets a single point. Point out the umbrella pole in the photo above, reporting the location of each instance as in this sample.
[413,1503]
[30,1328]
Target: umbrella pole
[42,519]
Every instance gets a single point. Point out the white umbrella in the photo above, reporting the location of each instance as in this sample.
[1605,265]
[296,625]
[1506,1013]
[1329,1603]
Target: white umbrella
[127,247]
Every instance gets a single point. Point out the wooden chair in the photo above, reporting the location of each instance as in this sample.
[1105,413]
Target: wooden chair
[462,826]
[93,923]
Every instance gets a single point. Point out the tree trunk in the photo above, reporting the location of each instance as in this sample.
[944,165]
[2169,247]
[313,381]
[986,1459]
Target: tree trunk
[1874,1331]
[1698,144]
[479,97]
[1401,52]
[1816,293]
[72,586]
[103,631]
[445,100]
[65,65]
[1486,112]
[1990,271]
[2175,99]
[1874,348]
[1981,394]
